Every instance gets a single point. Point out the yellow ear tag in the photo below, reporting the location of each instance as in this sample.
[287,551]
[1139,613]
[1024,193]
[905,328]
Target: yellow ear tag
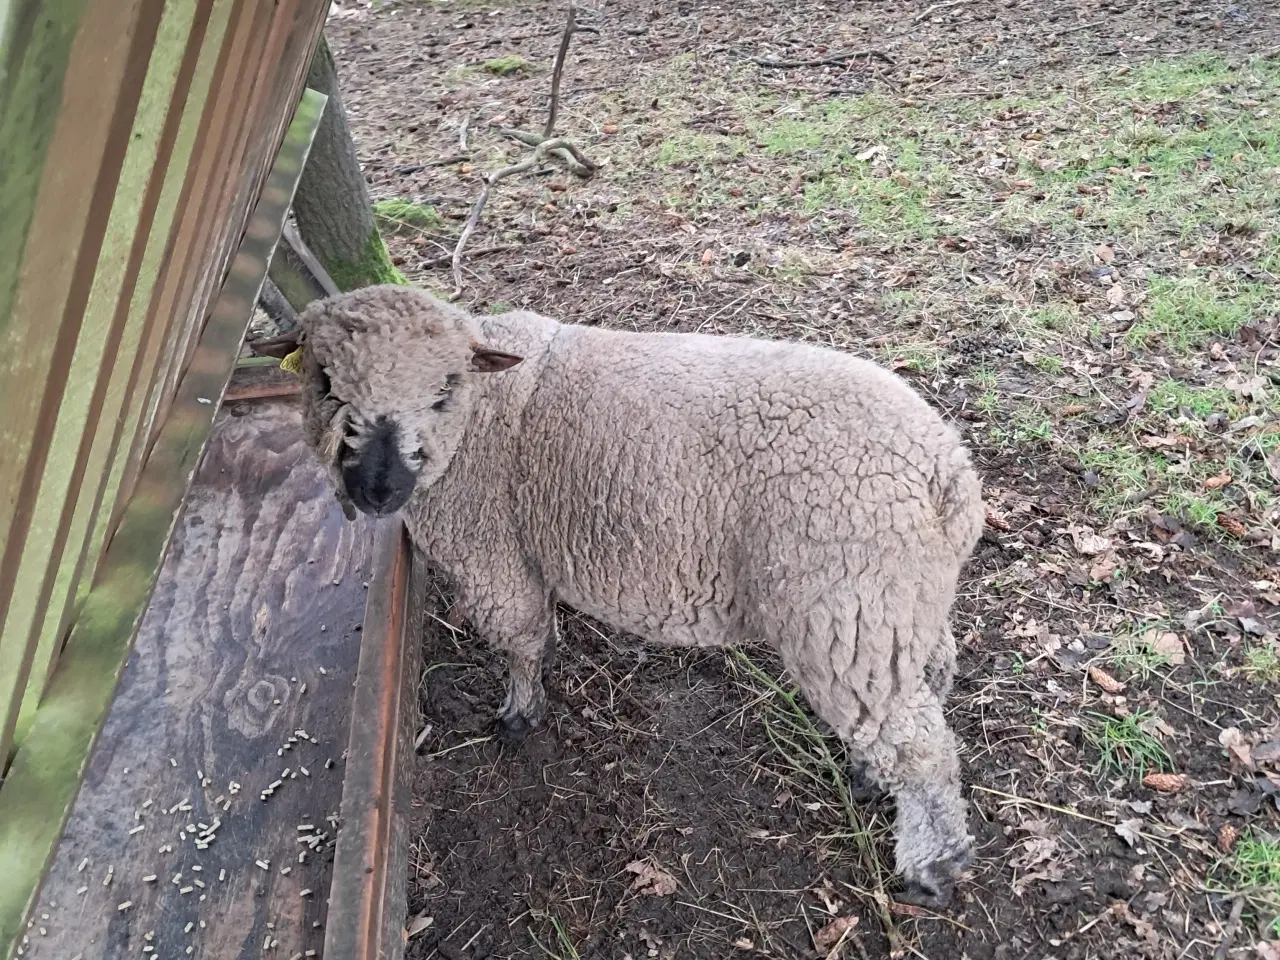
[293,362]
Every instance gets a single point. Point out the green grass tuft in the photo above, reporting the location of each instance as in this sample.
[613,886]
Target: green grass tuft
[1125,747]
[505,66]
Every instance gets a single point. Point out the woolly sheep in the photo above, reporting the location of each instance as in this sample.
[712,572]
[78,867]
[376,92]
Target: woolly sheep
[693,490]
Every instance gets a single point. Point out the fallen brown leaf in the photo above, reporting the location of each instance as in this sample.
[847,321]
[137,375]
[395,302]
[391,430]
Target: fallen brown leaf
[1165,782]
[1221,480]
[610,128]
[1232,525]
[834,933]
[1167,644]
[651,879]
[1104,680]
[1227,836]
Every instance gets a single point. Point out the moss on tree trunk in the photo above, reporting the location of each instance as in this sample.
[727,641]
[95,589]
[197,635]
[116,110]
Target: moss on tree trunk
[332,208]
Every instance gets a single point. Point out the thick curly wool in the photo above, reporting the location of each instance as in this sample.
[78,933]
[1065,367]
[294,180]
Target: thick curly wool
[693,490]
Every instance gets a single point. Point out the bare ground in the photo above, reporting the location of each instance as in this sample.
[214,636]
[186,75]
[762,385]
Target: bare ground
[1059,221]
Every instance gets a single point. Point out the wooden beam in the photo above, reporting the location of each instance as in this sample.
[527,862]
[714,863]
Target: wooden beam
[368,897]
[47,771]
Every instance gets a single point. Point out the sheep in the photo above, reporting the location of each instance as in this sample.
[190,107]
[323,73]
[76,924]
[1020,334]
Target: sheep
[688,489]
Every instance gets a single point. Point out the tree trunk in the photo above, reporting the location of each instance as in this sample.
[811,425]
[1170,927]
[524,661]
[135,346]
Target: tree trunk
[331,207]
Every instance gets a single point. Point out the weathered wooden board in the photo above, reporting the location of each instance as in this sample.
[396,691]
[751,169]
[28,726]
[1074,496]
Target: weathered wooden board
[260,599]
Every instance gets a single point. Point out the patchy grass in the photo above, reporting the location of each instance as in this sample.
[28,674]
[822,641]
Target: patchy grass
[506,66]
[816,766]
[1262,663]
[1254,870]
[1125,746]
[562,946]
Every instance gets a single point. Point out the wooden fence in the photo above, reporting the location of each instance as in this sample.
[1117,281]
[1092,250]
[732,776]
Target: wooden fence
[136,137]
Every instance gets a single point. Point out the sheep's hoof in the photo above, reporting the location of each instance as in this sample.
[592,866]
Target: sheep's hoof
[930,895]
[862,789]
[934,887]
[514,728]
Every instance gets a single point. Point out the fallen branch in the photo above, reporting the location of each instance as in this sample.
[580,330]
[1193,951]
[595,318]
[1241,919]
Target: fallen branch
[935,8]
[538,156]
[835,60]
[544,146]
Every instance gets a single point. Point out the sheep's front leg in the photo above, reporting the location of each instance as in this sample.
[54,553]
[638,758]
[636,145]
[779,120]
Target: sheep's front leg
[523,626]
[529,661]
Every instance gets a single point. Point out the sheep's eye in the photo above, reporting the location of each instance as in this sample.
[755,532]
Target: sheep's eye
[417,456]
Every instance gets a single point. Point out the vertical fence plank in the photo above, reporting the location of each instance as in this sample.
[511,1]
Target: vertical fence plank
[104,75]
[46,772]
[88,410]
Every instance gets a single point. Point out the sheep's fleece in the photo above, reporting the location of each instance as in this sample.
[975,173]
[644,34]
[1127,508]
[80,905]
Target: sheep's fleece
[697,490]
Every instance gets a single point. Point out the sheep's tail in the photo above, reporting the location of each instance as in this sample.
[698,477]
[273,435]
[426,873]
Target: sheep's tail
[958,499]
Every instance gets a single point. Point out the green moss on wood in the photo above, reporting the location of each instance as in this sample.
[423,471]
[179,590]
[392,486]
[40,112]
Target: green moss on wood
[396,215]
[373,268]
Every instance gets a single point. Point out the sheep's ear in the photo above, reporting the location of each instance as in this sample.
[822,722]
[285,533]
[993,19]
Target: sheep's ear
[488,360]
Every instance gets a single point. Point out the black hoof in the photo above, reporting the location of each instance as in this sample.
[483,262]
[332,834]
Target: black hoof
[514,729]
[862,789]
[931,896]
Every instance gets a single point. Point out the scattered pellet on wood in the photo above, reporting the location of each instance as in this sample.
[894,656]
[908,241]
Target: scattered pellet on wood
[82,890]
[177,877]
[106,881]
[185,890]
[266,942]
[264,864]
[83,863]
[202,924]
[199,883]
[173,762]
[188,927]
[302,857]
[324,672]
[296,956]
[302,689]
[147,948]
[304,771]
[310,953]
[147,803]
[190,950]
[222,875]
[328,764]
[44,932]
[274,784]
[138,829]
[285,773]
[322,628]
[285,871]
[149,878]
[303,827]
[305,893]
[199,774]
[125,906]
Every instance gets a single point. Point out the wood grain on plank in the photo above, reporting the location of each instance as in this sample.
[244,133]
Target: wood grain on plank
[263,589]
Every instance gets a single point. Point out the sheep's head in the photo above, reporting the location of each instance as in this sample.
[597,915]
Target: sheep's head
[388,375]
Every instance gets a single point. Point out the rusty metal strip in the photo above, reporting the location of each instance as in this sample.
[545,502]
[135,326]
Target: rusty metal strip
[46,774]
[367,898]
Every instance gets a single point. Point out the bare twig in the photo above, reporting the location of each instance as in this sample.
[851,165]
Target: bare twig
[836,60]
[571,27]
[539,154]
[544,146]
[1077,28]
[462,133]
[934,8]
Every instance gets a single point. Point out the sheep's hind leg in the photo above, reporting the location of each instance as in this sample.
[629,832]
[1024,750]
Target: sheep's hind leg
[915,756]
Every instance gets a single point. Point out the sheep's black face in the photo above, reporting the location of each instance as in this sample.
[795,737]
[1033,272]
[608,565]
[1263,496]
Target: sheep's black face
[378,480]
